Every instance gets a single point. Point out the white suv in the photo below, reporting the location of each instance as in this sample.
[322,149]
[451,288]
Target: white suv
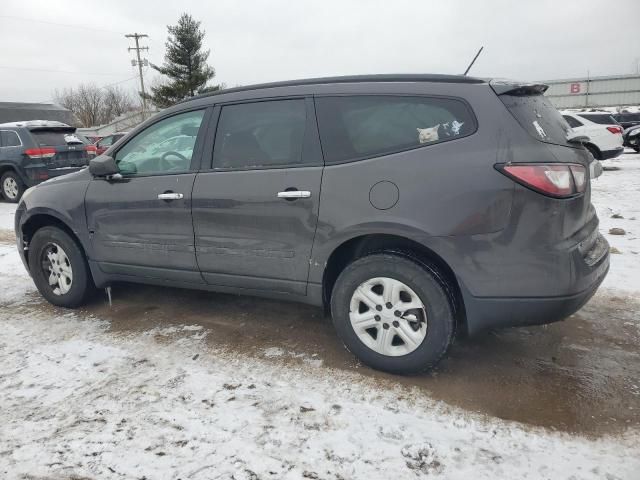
[605,134]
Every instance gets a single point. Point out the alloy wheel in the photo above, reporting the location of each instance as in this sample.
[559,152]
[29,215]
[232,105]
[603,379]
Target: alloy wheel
[388,316]
[57,269]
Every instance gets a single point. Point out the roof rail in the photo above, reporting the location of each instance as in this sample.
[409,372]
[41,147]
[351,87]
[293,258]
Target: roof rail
[418,77]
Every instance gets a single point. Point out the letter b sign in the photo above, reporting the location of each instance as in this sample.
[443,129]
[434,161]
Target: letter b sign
[574,88]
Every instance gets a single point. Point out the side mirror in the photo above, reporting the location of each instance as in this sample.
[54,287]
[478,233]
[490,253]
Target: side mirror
[103,166]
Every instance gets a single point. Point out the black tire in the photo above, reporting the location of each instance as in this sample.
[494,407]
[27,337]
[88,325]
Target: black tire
[636,148]
[82,283]
[420,278]
[9,197]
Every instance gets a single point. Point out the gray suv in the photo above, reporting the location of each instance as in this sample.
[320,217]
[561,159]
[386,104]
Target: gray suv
[412,207]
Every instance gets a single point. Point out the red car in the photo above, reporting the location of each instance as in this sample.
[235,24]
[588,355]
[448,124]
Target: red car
[105,142]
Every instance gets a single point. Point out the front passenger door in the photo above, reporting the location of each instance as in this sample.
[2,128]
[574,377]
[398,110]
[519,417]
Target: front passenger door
[141,225]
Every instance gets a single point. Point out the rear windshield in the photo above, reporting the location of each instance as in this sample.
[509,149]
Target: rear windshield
[599,118]
[56,138]
[538,117]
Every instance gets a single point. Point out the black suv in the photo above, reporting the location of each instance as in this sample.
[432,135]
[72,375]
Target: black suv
[36,150]
[627,119]
[411,206]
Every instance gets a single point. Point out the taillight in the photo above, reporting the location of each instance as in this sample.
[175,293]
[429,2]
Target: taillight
[40,152]
[615,129]
[553,180]
[91,149]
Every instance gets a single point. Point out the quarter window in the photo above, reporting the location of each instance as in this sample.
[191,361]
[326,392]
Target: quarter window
[260,135]
[364,126]
[9,139]
[573,123]
[165,147]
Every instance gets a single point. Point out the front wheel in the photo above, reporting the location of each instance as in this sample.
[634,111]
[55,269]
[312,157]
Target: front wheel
[58,267]
[636,148]
[393,313]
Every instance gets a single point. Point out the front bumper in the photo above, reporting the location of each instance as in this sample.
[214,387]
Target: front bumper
[589,269]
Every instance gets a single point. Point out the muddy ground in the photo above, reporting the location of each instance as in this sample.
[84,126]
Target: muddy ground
[581,375]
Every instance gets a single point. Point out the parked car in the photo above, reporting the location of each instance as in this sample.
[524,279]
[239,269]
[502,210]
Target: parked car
[36,150]
[605,134]
[105,142]
[412,207]
[631,138]
[627,119]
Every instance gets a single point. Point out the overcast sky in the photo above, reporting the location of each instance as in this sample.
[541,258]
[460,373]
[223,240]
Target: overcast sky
[256,41]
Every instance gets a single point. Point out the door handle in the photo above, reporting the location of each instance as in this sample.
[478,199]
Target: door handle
[170,196]
[293,194]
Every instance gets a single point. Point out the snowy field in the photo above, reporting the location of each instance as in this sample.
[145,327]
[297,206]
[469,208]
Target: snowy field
[81,400]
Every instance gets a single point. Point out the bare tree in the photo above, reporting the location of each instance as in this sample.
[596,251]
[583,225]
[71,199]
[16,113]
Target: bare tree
[93,105]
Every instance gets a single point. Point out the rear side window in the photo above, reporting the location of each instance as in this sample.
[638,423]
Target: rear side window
[9,138]
[573,123]
[260,135]
[539,117]
[356,127]
[599,118]
[55,138]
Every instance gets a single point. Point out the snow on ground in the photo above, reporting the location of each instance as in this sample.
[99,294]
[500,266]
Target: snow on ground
[7,210]
[80,401]
[617,193]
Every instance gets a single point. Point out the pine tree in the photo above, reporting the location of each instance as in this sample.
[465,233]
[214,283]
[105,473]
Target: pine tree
[185,64]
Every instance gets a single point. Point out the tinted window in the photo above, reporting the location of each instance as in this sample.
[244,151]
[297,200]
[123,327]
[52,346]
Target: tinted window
[573,123]
[164,147]
[55,138]
[538,116]
[262,134]
[599,118]
[9,139]
[364,126]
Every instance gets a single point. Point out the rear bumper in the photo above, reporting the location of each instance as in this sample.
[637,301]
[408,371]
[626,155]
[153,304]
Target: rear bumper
[607,154]
[589,269]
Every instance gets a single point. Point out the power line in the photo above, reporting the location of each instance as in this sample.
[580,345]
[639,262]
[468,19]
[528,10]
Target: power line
[31,20]
[137,36]
[86,72]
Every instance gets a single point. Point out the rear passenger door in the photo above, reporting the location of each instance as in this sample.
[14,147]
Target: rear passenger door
[255,209]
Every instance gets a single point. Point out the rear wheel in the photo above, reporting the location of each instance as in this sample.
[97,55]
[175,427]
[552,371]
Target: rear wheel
[636,148]
[59,268]
[12,187]
[392,313]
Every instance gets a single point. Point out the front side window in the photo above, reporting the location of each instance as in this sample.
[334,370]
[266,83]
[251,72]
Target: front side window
[164,147]
[370,125]
[260,135]
[9,138]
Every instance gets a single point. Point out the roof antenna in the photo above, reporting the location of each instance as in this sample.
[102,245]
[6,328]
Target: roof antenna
[473,61]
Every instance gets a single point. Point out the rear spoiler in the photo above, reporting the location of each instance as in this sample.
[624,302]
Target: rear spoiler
[44,128]
[518,89]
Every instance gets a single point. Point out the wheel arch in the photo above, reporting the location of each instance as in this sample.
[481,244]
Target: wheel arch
[362,245]
[40,220]
[592,147]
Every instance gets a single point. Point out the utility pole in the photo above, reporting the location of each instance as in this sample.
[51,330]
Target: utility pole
[137,48]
